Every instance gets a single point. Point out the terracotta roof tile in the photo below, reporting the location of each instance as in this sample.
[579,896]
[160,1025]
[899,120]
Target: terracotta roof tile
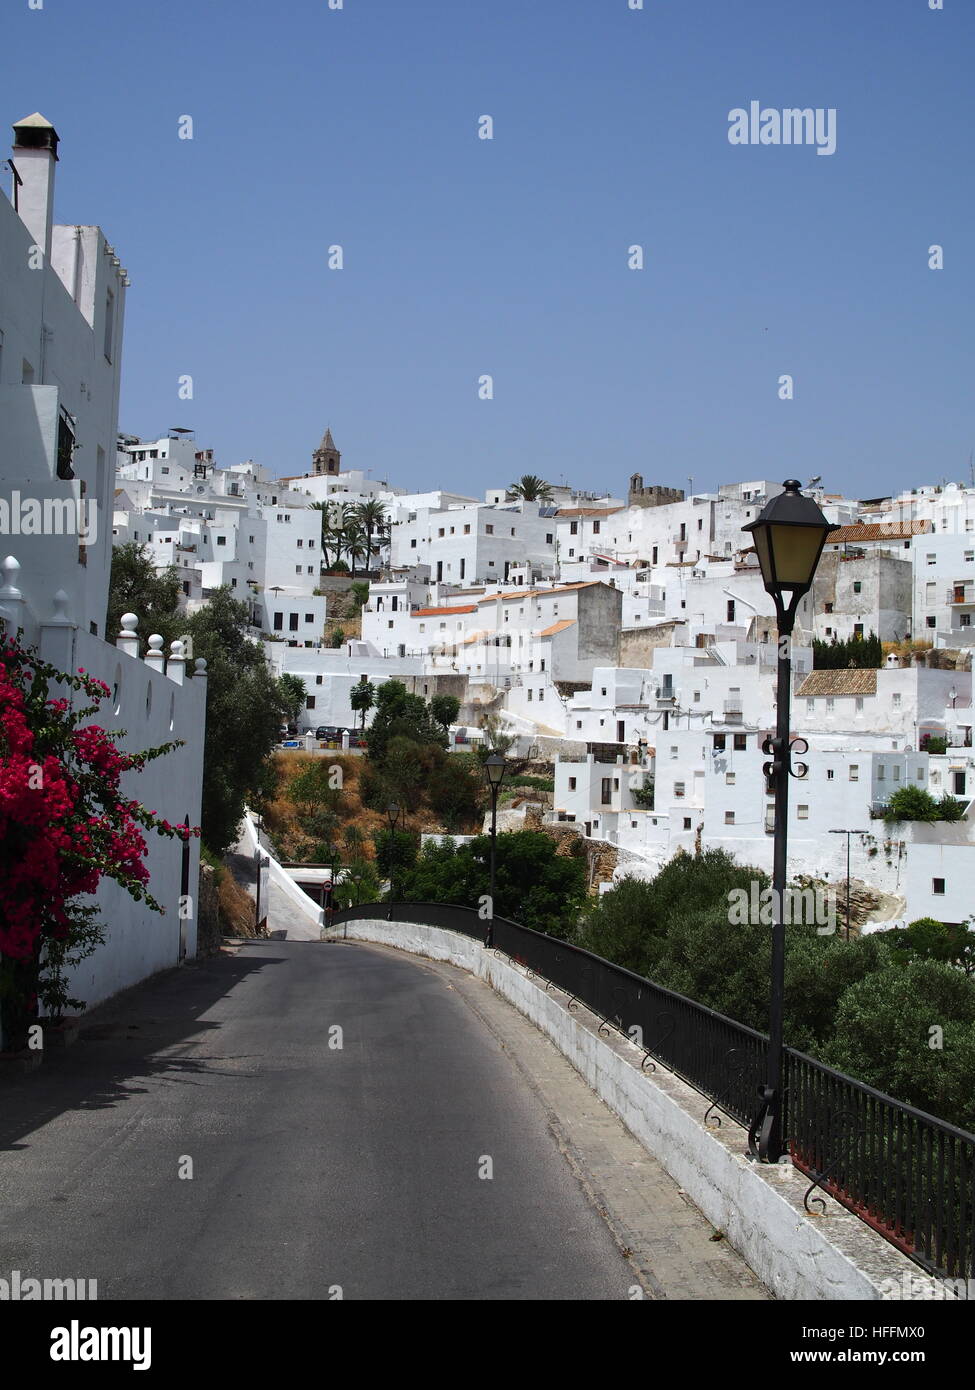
[849,682]
[878,531]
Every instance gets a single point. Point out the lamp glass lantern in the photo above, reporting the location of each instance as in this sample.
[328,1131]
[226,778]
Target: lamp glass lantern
[495,767]
[789,536]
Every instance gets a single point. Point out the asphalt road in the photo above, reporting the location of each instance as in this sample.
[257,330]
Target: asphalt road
[314,1168]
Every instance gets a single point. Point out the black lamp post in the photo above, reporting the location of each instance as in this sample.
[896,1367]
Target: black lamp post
[494,768]
[392,816]
[789,536]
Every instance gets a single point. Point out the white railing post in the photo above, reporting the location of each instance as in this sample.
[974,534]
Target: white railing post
[11,599]
[58,634]
[176,665]
[128,639]
[155,657]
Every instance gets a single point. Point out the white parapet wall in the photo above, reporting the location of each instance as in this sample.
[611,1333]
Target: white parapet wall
[759,1209]
[280,877]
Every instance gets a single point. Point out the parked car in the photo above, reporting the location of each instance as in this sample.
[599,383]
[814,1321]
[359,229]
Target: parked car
[328,733]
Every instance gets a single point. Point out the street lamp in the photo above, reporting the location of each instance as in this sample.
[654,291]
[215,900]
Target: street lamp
[494,769]
[392,816]
[788,536]
[848,833]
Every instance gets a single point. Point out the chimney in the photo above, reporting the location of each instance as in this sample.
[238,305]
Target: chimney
[34,157]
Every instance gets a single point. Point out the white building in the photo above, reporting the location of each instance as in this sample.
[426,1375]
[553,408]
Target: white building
[62,293]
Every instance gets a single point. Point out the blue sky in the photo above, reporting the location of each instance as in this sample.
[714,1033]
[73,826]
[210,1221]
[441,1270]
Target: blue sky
[358,127]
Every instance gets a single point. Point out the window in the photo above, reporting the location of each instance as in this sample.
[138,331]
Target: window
[729,778]
[719,743]
[548,538]
[881,772]
[828,607]
[802,812]
[897,774]
[531,693]
[278,622]
[679,790]
[300,543]
[938,887]
[854,772]
[318,680]
[309,617]
[440,532]
[221,540]
[292,622]
[857,586]
[606,794]
[741,741]
[595,528]
[830,704]
[673,752]
[653,557]
[930,559]
[731,610]
[729,817]
[489,530]
[687,822]
[895,699]
[697,697]
[810,706]
[858,704]
[467,530]
[572,784]
[573,528]
[109,322]
[829,774]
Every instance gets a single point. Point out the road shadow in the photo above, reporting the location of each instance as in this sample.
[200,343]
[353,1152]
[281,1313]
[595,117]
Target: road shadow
[126,1041]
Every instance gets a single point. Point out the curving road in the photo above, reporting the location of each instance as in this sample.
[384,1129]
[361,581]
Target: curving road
[317,1171]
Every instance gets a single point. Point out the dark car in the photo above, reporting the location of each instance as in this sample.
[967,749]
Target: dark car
[328,733]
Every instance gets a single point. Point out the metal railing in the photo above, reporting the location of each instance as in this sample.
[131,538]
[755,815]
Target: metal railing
[907,1174]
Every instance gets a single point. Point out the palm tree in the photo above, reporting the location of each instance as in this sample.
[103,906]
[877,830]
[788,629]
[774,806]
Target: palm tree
[330,535]
[353,542]
[371,515]
[530,488]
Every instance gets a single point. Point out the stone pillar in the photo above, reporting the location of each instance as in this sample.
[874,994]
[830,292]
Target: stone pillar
[176,666]
[57,635]
[155,657]
[128,638]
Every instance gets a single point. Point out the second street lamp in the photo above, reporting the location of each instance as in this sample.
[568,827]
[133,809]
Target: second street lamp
[494,769]
[789,536]
[392,816]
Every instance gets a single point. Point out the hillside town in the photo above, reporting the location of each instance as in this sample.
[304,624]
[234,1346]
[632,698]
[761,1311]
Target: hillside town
[627,640]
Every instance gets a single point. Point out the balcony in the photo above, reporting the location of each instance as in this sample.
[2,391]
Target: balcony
[732,712]
[665,695]
[960,595]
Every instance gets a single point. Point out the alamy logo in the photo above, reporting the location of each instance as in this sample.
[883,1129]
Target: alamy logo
[47,516]
[760,908]
[791,126]
[19,1290]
